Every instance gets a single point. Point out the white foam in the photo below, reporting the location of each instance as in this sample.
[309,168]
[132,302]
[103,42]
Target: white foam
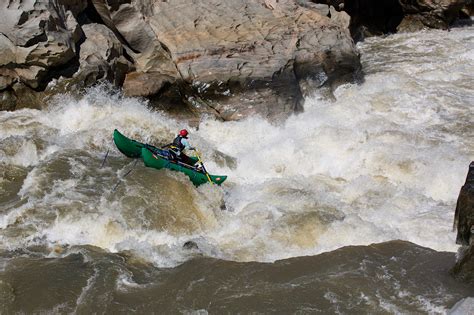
[400,169]
[384,161]
[85,290]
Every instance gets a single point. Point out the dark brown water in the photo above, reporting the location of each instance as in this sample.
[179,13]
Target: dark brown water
[393,277]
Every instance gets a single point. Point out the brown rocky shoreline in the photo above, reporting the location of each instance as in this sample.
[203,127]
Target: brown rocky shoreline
[229,59]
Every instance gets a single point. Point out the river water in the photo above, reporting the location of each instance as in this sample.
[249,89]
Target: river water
[383,162]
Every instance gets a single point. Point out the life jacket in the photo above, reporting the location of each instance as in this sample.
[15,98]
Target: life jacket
[177,145]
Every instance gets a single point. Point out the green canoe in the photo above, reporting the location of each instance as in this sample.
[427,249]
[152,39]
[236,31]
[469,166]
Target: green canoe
[157,158]
[129,147]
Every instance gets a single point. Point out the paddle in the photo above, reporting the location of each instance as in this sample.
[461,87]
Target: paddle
[202,164]
[105,158]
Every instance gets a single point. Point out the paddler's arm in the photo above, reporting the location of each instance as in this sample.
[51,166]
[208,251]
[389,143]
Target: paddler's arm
[186,144]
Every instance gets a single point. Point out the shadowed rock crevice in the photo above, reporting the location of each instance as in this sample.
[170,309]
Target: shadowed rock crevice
[55,73]
[373,17]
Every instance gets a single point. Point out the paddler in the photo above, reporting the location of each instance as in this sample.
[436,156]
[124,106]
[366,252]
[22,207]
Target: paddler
[179,144]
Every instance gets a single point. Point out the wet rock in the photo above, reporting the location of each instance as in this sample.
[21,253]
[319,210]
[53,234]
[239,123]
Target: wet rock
[464,215]
[190,245]
[464,221]
[464,268]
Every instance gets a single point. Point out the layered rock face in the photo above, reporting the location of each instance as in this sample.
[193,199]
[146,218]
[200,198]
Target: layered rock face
[243,57]
[231,59]
[464,220]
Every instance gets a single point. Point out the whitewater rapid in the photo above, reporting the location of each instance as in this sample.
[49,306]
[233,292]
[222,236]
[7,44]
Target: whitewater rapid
[384,161]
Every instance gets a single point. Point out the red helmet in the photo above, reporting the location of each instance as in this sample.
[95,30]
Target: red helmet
[183,133]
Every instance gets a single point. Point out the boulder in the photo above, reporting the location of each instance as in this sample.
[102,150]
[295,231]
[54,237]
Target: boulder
[40,26]
[31,76]
[190,245]
[151,61]
[26,97]
[37,42]
[139,83]
[464,221]
[10,54]
[429,13]
[101,56]
[411,23]
[234,58]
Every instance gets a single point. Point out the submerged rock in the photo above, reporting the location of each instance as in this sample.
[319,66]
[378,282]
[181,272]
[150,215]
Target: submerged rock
[464,221]
[190,245]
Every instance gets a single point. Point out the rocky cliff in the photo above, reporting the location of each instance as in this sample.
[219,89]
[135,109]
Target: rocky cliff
[230,59]
[464,221]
